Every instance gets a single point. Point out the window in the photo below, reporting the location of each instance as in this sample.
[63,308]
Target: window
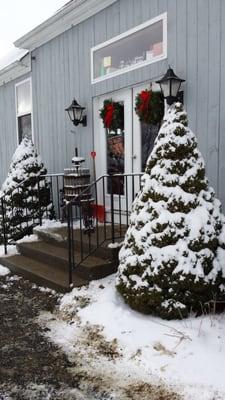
[143,45]
[24,109]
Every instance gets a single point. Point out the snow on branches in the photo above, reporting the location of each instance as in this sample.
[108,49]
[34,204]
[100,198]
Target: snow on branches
[26,195]
[173,258]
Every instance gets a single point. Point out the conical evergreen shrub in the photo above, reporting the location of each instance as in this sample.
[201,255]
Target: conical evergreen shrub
[25,193]
[173,258]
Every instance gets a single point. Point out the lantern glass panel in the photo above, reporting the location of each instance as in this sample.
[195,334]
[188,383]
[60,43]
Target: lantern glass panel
[175,86]
[165,87]
[71,114]
[78,113]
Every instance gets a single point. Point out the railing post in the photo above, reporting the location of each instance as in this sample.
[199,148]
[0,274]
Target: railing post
[112,209]
[3,226]
[39,203]
[70,246]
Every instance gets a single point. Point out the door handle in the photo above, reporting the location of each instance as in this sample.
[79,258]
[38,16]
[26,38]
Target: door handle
[134,156]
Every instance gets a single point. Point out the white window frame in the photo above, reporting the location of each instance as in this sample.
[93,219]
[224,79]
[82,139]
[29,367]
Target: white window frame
[31,107]
[161,17]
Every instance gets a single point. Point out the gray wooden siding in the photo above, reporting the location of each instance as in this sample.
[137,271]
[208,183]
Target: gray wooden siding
[61,71]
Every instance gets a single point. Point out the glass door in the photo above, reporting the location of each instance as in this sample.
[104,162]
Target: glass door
[122,146]
[144,135]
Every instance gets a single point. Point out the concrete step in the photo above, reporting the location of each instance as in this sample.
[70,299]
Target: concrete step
[91,268]
[58,236]
[41,274]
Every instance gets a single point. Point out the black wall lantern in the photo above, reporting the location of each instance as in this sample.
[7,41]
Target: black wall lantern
[170,85]
[75,112]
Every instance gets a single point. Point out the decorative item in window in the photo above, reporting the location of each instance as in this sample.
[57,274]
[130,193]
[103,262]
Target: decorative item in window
[149,106]
[142,45]
[112,115]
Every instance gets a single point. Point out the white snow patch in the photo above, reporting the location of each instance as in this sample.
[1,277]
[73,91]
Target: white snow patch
[115,245]
[12,56]
[28,238]
[47,223]
[11,251]
[188,354]
[4,271]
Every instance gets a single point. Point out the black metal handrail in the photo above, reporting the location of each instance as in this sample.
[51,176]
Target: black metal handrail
[99,214]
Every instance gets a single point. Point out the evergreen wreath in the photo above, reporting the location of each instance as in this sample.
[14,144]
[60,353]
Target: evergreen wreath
[149,106]
[112,115]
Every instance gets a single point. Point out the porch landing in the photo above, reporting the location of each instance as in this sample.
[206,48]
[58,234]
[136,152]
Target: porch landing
[45,261]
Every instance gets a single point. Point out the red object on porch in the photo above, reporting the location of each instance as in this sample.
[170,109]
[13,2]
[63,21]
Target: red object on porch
[98,212]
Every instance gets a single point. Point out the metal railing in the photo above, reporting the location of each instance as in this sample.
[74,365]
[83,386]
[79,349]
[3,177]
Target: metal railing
[100,214]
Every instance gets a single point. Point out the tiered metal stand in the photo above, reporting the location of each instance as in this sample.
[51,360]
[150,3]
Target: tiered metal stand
[76,182]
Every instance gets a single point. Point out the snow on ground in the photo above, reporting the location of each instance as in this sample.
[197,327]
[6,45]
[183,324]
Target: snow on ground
[28,238]
[48,224]
[11,251]
[187,355]
[4,271]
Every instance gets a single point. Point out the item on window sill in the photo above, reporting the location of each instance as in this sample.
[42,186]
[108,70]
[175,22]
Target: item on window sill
[107,61]
[157,49]
[149,55]
[121,64]
[109,70]
[139,59]
[102,70]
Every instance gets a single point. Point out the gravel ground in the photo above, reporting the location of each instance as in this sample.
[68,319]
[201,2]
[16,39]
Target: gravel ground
[31,367]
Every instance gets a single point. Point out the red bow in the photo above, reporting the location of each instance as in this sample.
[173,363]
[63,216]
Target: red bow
[145,97]
[109,115]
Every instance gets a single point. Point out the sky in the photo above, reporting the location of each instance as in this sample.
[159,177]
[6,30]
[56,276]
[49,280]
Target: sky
[18,17]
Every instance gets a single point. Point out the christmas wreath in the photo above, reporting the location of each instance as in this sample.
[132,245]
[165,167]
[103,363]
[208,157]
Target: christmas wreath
[149,106]
[112,114]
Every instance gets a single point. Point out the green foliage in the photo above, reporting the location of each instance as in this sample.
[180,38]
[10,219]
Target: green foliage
[25,193]
[173,258]
[149,106]
[112,115]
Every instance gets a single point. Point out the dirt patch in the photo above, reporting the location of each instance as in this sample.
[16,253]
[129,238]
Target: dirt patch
[146,391]
[33,367]
[26,355]
[95,341]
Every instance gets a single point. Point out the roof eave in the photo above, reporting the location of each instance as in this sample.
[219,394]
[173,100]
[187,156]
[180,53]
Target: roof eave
[15,70]
[69,16]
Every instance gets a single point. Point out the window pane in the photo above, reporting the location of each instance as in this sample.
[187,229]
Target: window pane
[143,45]
[115,156]
[23,98]
[24,127]
[148,136]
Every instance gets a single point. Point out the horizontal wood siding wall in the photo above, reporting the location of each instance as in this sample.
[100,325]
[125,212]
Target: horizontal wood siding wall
[61,71]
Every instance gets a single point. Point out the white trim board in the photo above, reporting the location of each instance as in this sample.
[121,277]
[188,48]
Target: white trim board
[15,70]
[70,15]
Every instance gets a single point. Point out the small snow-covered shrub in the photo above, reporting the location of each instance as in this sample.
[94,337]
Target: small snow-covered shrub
[173,257]
[29,201]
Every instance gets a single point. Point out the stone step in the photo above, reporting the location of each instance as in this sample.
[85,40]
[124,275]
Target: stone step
[91,268]
[59,236]
[41,274]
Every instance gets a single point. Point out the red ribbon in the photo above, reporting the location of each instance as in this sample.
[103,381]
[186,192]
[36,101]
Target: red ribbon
[145,97]
[109,115]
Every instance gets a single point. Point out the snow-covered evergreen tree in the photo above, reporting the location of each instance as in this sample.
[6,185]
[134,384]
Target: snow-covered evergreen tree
[29,201]
[173,257]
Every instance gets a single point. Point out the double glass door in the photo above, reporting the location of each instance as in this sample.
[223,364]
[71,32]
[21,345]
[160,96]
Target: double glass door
[125,147]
